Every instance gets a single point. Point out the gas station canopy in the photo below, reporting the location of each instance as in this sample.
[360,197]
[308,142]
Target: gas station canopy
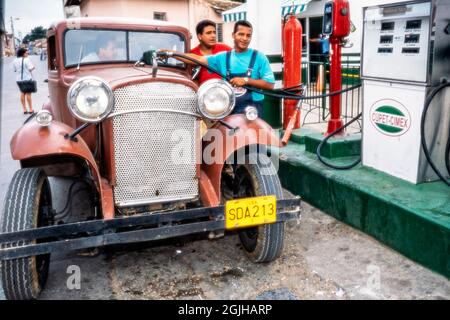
[287,6]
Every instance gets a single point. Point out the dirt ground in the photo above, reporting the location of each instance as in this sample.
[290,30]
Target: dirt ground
[322,259]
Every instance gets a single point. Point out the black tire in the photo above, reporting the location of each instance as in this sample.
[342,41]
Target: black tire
[258,177]
[27,205]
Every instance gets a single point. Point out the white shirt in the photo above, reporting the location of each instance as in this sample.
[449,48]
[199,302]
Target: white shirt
[27,68]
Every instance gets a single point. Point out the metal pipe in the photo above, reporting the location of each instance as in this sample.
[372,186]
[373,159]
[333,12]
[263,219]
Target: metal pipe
[335,85]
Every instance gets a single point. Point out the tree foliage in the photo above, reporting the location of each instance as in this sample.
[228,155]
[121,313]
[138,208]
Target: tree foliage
[37,33]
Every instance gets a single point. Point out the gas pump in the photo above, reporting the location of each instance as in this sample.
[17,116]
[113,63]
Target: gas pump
[406,55]
[336,24]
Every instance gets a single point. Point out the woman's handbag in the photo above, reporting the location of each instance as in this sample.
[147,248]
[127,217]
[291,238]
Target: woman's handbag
[27,86]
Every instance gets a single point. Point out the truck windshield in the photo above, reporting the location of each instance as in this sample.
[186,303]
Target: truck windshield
[103,46]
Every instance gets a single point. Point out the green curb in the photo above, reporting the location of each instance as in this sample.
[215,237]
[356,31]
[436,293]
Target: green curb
[299,135]
[412,219]
[335,147]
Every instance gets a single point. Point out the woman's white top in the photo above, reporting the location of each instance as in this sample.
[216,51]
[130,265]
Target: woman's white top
[27,68]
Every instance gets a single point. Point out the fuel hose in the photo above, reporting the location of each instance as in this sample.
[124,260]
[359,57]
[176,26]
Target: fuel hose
[285,93]
[290,93]
[324,141]
[423,138]
[447,153]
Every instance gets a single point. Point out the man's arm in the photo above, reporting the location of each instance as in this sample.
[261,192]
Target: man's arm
[266,77]
[200,59]
[257,83]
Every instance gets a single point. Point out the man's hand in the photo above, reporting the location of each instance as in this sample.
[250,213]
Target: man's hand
[238,82]
[260,84]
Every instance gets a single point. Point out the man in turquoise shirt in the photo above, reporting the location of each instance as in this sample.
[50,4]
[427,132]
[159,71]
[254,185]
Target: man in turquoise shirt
[243,67]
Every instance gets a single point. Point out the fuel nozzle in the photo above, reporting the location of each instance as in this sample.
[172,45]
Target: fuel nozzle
[346,43]
[164,53]
[148,57]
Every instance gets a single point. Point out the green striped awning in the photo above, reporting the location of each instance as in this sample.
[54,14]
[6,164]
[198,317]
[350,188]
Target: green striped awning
[293,7]
[231,17]
[235,14]
[287,6]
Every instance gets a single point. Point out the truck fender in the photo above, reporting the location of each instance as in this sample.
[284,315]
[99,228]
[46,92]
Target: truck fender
[34,141]
[221,142]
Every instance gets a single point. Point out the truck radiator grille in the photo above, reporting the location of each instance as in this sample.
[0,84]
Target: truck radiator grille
[154,152]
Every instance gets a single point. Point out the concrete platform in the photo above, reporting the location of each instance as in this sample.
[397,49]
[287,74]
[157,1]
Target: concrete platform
[412,219]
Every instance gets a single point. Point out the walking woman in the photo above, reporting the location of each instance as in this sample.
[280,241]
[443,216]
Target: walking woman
[24,67]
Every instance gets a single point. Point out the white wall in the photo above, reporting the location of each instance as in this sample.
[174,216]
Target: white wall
[314,9]
[266,21]
[200,10]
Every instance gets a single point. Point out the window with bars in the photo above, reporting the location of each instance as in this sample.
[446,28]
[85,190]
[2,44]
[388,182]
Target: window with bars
[219,32]
[160,16]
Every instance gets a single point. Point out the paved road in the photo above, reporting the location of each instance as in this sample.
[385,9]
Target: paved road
[323,258]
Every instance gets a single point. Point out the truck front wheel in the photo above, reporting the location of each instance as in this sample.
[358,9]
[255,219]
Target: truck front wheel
[258,177]
[28,205]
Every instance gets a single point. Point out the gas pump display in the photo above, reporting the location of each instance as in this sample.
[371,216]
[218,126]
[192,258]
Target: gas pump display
[328,19]
[336,20]
[396,37]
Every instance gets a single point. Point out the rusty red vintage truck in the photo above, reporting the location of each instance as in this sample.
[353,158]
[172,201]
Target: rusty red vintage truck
[162,157]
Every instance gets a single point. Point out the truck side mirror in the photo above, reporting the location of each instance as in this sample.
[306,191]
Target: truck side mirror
[147,57]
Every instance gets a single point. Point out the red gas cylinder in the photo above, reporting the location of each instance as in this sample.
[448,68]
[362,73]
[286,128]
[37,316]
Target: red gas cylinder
[292,52]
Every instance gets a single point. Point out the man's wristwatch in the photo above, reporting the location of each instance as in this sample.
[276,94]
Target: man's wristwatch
[246,80]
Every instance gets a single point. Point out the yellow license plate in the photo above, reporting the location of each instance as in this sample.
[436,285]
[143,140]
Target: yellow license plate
[249,212]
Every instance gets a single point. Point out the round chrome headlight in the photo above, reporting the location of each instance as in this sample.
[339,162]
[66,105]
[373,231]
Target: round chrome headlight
[216,99]
[90,99]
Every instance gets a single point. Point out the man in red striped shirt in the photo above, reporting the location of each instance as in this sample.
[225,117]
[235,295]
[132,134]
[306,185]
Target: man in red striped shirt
[206,34]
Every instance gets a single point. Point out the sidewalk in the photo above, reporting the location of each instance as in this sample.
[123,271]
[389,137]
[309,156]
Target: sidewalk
[12,117]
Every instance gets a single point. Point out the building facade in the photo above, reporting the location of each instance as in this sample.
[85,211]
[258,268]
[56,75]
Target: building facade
[312,20]
[7,45]
[309,12]
[186,13]
[6,39]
